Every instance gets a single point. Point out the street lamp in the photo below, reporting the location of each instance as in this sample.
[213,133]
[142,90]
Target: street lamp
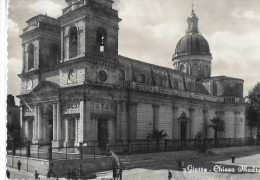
[81,155]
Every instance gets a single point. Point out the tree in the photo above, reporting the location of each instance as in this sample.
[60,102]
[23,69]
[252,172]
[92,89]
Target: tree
[218,125]
[253,107]
[157,135]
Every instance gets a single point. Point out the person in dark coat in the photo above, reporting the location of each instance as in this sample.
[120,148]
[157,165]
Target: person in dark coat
[19,165]
[69,174]
[233,158]
[114,173]
[36,175]
[120,173]
[179,164]
[169,175]
[8,174]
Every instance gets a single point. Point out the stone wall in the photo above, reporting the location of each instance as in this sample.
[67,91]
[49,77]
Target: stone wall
[144,120]
[61,167]
[165,120]
[28,164]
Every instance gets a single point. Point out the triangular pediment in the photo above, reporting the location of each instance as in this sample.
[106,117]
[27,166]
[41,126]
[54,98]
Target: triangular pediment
[45,87]
[183,117]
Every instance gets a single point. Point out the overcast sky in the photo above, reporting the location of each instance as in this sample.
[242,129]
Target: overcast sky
[150,30]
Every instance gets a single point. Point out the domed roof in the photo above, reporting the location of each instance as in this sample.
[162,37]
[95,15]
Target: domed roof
[192,44]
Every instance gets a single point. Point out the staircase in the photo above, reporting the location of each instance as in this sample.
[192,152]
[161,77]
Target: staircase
[153,159]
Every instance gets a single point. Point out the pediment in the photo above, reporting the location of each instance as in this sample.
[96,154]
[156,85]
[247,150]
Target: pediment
[45,87]
[183,117]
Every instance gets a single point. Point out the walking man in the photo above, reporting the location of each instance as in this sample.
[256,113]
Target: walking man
[19,165]
[169,175]
[36,175]
[8,174]
[120,173]
[114,173]
[233,158]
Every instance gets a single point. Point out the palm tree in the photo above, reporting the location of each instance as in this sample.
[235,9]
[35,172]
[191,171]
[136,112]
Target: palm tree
[218,125]
[157,135]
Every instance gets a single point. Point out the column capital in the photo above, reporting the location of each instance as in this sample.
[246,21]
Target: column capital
[133,103]
[191,110]
[205,111]
[175,108]
[236,112]
[156,106]
[220,112]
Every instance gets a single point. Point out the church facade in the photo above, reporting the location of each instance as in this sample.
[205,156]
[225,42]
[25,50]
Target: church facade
[75,87]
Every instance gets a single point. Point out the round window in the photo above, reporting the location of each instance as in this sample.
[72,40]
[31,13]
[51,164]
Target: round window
[102,75]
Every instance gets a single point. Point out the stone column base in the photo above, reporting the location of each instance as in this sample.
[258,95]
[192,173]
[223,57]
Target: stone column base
[68,143]
[56,143]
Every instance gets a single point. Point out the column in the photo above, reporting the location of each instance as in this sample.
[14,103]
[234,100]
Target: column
[156,116]
[111,130]
[82,110]
[175,127]
[54,106]
[132,121]
[236,113]
[21,122]
[35,122]
[66,130]
[26,129]
[39,123]
[191,123]
[205,123]
[23,66]
[58,122]
[76,130]
[62,45]
[34,132]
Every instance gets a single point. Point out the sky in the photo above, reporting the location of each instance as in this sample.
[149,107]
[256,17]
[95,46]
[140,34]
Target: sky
[150,30]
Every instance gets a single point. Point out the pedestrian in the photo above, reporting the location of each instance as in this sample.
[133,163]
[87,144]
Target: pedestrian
[233,158]
[36,175]
[182,165]
[8,174]
[69,174]
[169,175]
[114,173]
[179,164]
[49,173]
[19,165]
[120,173]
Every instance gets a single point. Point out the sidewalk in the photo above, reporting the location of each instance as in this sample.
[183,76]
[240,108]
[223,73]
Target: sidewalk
[15,174]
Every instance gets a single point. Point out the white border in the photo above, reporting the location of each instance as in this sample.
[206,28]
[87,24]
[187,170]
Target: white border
[3,83]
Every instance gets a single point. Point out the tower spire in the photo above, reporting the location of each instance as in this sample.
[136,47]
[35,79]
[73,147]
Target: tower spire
[192,5]
[192,21]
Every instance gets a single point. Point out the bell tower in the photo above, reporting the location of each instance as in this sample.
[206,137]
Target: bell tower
[89,28]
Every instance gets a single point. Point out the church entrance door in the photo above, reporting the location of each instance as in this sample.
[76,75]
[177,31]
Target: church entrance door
[183,130]
[102,132]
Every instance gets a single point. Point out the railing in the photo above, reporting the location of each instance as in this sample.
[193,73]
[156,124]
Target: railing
[173,92]
[94,149]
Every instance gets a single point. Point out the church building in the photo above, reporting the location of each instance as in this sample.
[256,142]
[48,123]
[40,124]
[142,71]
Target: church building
[75,87]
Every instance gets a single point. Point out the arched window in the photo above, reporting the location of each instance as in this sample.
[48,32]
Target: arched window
[101,39]
[54,54]
[215,89]
[182,68]
[30,56]
[176,85]
[141,78]
[73,43]
[195,70]
[121,75]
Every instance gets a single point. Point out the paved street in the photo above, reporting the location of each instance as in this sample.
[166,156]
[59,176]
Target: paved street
[160,172]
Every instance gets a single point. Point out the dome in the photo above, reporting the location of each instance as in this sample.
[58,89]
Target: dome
[192,43]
